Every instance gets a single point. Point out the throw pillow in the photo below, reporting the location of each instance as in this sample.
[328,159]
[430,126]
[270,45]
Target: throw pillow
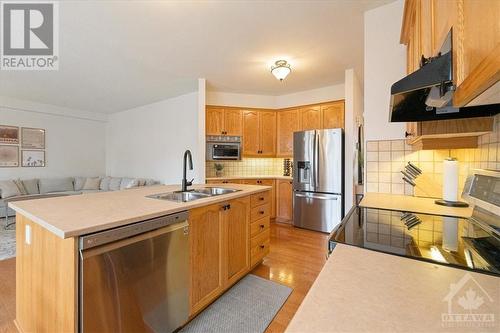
[20,186]
[105,184]
[114,184]
[79,183]
[51,185]
[31,186]
[128,183]
[8,189]
[92,184]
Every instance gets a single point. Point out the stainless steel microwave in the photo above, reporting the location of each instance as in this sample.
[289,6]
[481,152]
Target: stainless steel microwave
[223,148]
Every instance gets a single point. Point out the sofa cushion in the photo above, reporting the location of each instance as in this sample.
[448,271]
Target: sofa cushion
[8,188]
[49,185]
[92,183]
[20,186]
[79,182]
[114,184]
[128,183]
[105,184]
[31,186]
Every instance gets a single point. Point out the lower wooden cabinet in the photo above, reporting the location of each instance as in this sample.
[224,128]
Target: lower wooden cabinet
[221,245]
[259,228]
[237,230]
[206,237]
[266,182]
[284,199]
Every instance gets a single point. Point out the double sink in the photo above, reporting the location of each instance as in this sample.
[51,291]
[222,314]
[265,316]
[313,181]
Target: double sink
[186,196]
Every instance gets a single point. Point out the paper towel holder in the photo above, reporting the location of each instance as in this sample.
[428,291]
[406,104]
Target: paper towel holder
[442,202]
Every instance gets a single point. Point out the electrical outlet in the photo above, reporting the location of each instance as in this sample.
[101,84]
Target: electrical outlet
[27,234]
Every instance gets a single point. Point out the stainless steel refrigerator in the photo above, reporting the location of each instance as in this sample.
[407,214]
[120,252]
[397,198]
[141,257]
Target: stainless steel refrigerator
[318,179]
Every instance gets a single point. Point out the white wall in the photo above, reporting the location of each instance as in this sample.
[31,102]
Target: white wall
[149,141]
[384,64]
[324,94]
[74,146]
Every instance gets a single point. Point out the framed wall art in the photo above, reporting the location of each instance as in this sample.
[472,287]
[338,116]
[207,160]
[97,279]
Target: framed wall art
[33,138]
[9,134]
[9,156]
[33,158]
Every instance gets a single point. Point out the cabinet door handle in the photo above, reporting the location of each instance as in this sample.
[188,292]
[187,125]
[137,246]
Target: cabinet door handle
[228,206]
[261,212]
[407,134]
[262,246]
[261,198]
[262,226]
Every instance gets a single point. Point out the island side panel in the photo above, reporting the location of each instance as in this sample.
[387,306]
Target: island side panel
[46,280]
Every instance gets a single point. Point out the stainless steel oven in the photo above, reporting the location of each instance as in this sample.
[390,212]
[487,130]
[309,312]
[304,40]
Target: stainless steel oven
[223,148]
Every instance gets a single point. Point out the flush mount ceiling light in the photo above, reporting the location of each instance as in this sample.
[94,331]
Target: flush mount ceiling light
[281,69]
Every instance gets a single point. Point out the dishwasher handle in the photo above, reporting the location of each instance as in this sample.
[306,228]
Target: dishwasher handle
[116,234]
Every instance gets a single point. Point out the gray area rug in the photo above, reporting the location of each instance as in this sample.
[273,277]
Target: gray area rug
[248,307]
[7,240]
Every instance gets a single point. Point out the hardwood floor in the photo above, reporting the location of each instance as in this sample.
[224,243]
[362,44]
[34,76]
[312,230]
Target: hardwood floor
[7,295]
[296,258]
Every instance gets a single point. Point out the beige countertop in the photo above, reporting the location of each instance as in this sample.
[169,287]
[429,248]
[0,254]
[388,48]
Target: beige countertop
[77,215]
[360,290]
[251,177]
[411,204]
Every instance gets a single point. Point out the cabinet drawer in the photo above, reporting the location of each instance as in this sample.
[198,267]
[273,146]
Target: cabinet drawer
[260,212]
[260,247]
[259,226]
[259,198]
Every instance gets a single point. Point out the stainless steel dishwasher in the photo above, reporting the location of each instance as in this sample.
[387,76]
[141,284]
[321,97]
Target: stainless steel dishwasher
[135,278]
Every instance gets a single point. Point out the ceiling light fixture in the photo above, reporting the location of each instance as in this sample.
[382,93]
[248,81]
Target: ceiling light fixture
[281,69]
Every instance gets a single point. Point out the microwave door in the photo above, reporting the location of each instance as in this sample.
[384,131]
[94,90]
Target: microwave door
[303,157]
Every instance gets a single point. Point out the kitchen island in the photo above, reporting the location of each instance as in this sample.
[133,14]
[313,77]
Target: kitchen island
[228,235]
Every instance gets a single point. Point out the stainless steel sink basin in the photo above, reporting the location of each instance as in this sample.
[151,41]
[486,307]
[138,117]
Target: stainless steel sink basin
[200,193]
[179,196]
[215,190]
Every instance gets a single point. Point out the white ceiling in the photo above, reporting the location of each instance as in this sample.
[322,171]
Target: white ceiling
[115,55]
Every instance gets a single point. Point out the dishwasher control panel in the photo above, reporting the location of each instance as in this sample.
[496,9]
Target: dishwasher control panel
[108,236]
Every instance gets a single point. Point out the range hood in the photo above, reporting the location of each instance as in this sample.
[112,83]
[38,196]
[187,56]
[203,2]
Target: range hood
[427,93]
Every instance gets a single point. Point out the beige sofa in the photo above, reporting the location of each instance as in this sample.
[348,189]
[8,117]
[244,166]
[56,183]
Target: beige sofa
[28,189]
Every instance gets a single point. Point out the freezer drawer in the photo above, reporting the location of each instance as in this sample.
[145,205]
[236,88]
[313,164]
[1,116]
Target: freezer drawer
[317,211]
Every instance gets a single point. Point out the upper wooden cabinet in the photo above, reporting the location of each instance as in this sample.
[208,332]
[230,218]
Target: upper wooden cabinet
[223,121]
[310,118]
[287,123]
[259,133]
[475,27]
[333,114]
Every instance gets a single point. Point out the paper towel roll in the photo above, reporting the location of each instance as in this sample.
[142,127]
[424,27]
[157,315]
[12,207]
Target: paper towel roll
[450,180]
[450,233]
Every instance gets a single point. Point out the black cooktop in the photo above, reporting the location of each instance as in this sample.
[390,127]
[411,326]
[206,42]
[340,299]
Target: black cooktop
[449,241]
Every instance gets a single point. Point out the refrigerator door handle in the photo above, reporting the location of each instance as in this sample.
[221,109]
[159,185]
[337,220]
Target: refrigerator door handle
[313,165]
[315,196]
[316,161]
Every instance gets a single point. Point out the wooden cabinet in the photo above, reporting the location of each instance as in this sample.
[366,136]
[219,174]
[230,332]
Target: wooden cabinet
[287,123]
[476,50]
[268,133]
[206,244]
[259,226]
[310,118]
[214,121]
[333,114]
[284,199]
[237,229]
[223,121]
[266,182]
[259,133]
[220,245]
